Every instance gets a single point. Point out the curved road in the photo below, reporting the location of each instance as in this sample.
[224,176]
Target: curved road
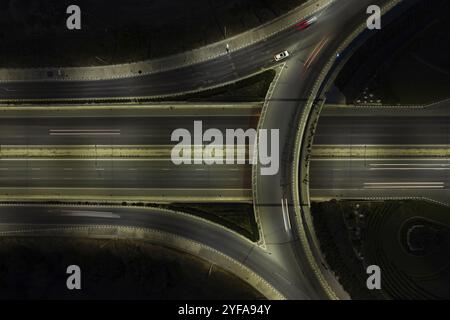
[229,243]
[310,50]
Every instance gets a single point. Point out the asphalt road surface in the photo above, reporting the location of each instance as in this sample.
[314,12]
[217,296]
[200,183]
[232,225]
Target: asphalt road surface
[147,176]
[385,175]
[102,129]
[311,50]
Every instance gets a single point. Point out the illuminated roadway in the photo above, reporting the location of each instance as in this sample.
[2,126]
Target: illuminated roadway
[336,127]
[349,175]
[310,50]
[144,178]
[387,174]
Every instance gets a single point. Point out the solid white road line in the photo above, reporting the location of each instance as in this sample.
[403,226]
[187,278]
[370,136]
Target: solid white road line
[404,185]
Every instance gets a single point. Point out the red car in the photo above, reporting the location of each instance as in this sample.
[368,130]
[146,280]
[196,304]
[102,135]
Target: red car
[305,23]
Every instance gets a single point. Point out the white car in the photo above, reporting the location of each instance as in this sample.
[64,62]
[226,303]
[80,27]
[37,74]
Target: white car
[281,56]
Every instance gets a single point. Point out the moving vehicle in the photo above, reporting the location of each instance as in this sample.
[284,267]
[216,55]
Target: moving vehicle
[281,56]
[306,23]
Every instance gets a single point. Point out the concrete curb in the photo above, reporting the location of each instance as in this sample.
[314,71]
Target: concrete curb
[386,199]
[157,196]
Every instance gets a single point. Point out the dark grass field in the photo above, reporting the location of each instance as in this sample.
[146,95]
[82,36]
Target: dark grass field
[35,268]
[406,62]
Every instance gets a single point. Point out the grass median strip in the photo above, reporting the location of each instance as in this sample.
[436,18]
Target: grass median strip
[86,151]
[380,151]
[162,152]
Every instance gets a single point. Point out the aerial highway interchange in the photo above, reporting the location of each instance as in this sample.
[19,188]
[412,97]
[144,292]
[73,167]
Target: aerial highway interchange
[380,150]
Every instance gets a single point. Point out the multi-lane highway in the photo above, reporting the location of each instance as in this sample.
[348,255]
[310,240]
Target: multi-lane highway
[125,125]
[338,128]
[347,129]
[383,126]
[311,50]
[154,177]
[383,153]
